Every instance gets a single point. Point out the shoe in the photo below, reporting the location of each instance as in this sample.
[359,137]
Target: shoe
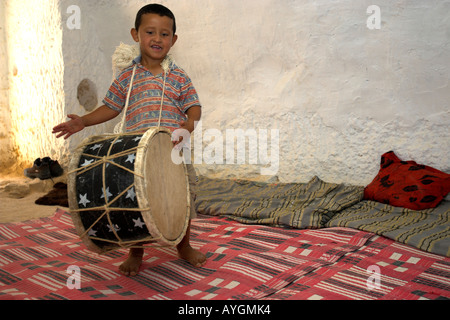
[43,169]
[55,169]
[33,172]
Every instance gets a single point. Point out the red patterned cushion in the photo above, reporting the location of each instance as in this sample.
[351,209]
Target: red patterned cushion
[407,184]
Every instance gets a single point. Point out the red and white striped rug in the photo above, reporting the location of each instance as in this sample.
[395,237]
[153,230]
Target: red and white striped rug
[38,258]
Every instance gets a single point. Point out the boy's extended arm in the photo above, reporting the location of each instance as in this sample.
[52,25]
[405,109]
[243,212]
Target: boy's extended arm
[76,124]
[99,115]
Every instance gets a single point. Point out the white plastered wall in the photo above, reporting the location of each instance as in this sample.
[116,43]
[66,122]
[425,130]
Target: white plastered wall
[6,148]
[33,68]
[339,93]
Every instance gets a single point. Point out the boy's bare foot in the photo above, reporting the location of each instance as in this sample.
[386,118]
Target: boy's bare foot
[186,252]
[194,257]
[130,267]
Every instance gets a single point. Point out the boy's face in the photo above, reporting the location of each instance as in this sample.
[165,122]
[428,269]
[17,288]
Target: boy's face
[155,36]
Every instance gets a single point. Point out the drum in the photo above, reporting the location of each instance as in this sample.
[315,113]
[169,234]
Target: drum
[125,190]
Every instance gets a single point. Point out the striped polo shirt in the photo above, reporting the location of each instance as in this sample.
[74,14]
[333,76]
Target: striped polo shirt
[145,98]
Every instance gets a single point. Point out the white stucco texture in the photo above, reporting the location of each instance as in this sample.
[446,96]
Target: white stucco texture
[338,93]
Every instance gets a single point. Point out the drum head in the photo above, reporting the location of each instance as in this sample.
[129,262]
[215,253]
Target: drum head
[166,188]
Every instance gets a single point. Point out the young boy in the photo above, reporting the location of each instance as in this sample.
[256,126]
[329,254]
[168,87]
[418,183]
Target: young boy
[154,30]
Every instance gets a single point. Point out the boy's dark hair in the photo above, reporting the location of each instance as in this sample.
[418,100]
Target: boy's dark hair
[156,9]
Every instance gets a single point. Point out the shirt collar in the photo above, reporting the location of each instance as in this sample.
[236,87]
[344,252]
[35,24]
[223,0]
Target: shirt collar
[138,60]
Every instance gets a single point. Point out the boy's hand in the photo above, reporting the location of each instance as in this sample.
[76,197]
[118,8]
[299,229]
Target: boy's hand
[187,125]
[181,137]
[69,128]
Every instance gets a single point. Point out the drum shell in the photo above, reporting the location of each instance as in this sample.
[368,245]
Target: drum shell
[155,227]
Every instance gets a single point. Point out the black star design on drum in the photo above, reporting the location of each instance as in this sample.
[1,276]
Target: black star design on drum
[131,158]
[115,227]
[109,184]
[107,193]
[87,163]
[83,200]
[131,194]
[138,223]
[97,146]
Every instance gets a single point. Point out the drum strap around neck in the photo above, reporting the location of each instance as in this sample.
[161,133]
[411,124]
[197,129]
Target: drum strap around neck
[162,100]
[120,127]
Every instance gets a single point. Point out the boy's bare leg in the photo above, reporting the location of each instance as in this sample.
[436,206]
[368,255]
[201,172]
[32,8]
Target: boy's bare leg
[186,252]
[130,267]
